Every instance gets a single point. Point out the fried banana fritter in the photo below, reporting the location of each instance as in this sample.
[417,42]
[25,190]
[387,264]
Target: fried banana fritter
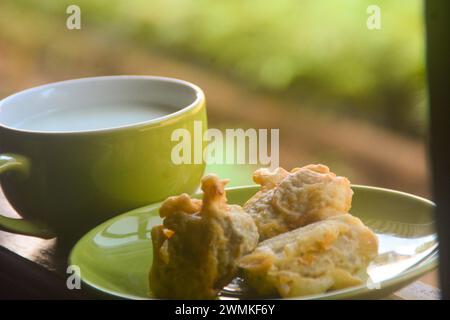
[326,255]
[288,200]
[196,250]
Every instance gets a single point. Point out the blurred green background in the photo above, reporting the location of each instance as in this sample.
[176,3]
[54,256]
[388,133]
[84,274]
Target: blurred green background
[341,94]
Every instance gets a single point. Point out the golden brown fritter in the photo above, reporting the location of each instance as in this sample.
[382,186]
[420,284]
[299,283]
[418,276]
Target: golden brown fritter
[326,255]
[288,200]
[196,250]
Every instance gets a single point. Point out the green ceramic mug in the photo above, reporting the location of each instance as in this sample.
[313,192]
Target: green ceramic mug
[77,152]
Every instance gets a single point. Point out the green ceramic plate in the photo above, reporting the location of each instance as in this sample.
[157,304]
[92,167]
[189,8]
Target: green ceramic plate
[115,257]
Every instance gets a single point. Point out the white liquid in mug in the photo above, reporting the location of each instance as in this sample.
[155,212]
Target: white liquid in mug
[92,117]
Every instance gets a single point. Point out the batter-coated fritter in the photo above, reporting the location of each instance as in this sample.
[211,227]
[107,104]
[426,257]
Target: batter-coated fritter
[326,255]
[288,200]
[196,250]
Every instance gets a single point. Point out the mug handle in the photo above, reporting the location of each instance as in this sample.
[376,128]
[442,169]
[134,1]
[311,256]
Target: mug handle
[14,162]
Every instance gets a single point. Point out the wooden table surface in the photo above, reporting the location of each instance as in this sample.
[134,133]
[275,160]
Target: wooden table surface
[51,255]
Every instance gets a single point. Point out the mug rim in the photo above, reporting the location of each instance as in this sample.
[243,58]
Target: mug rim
[198,102]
